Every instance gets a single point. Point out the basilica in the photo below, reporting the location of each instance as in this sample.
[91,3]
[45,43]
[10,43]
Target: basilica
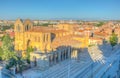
[51,44]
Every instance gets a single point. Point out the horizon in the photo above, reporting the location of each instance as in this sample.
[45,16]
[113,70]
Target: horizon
[61,19]
[60,10]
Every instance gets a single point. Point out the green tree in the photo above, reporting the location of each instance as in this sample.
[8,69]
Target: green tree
[17,62]
[99,24]
[3,28]
[8,55]
[7,43]
[1,53]
[20,64]
[29,49]
[12,62]
[7,48]
[113,39]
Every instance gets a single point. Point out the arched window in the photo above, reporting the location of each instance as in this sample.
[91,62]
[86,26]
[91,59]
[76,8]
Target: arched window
[44,38]
[27,27]
[28,43]
[18,28]
[47,37]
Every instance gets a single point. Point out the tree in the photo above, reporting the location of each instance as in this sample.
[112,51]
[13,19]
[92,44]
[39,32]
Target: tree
[1,53]
[20,64]
[3,28]
[11,62]
[7,48]
[29,49]
[8,55]
[17,62]
[113,39]
[7,43]
[99,24]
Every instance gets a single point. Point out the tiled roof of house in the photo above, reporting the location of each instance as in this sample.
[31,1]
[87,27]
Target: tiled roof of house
[45,30]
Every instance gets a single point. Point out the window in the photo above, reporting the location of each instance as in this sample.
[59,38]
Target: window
[38,39]
[44,38]
[18,28]
[27,27]
[47,38]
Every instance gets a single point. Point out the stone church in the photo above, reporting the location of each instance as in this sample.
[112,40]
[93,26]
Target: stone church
[51,45]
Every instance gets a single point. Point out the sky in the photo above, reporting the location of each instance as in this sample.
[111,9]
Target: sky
[60,9]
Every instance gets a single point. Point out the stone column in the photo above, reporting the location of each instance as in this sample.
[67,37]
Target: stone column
[48,61]
[75,54]
[65,54]
[55,58]
[62,55]
[71,51]
[69,54]
[59,56]
[52,59]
